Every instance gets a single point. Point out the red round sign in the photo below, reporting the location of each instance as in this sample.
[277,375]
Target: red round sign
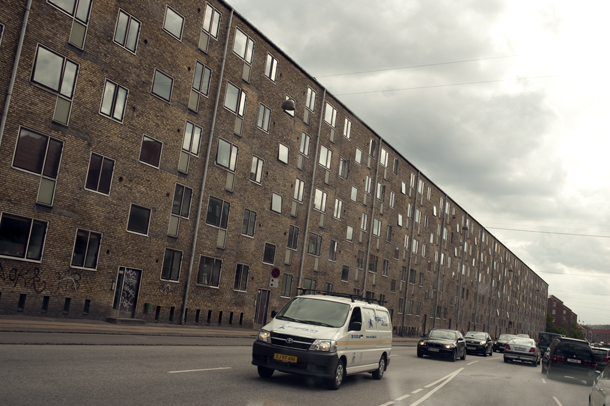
[275,272]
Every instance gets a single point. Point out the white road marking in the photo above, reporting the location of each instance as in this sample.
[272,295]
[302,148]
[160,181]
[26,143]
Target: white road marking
[402,397]
[543,381]
[197,370]
[440,380]
[387,403]
[557,401]
[417,390]
[473,362]
[437,388]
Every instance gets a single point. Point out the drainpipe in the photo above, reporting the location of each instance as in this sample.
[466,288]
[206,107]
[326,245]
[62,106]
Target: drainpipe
[461,274]
[476,303]
[313,178]
[11,85]
[438,276]
[404,301]
[205,175]
[368,245]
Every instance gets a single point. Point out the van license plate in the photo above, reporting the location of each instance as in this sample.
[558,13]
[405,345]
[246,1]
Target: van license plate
[284,357]
[575,361]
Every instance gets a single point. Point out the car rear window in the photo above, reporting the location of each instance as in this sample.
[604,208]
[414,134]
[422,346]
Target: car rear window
[574,348]
[547,337]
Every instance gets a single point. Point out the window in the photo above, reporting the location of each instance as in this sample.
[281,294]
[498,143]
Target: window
[256,170]
[420,187]
[380,192]
[75,8]
[349,236]
[386,266]
[209,271]
[86,249]
[127,31]
[403,188]
[201,78]
[395,169]
[192,138]
[263,117]
[235,100]
[338,206]
[114,101]
[330,115]
[392,199]
[276,203]
[309,286]
[54,72]
[347,129]
[319,202]
[243,46]
[171,265]
[269,254]
[373,260]
[345,273]
[173,23]
[304,147]
[325,157]
[298,190]
[286,285]
[150,152]
[218,213]
[343,168]
[226,155]
[38,153]
[360,259]
[315,243]
[388,235]
[358,156]
[368,183]
[99,175]
[139,219]
[249,223]
[413,274]
[310,102]
[376,227]
[412,180]
[354,196]
[211,21]
[399,220]
[162,85]
[384,157]
[401,305]
[271,67]
[282,154]
[241,277]
[293,238]
[332,251]
[182,201]
[364,221]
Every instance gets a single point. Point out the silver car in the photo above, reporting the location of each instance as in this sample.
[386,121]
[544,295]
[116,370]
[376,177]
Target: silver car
[600,392]
[522,349]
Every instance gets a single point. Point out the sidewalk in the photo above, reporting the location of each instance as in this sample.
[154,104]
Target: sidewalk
[42,325]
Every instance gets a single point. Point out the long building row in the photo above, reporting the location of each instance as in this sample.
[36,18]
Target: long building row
[166,161]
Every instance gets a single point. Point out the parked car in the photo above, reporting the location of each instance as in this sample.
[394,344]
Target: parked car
[501,341]
[479,342]
[569,356]
[602,356]
[327,337]
[523,335]
[522,349]
[443,343]
[544,339]
[600,392]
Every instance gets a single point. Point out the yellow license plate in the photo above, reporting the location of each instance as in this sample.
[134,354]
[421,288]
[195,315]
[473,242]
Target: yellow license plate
[283,357]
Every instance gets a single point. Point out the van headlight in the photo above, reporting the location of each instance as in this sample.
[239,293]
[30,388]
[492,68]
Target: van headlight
[265,336]
[324,345]
[483,342]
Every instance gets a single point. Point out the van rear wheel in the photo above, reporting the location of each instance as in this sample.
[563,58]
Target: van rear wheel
[378,373]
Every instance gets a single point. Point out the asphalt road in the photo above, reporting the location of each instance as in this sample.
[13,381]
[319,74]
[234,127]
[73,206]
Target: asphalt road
[223,375]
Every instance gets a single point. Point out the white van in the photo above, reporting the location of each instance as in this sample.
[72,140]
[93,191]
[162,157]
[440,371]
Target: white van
[325,336]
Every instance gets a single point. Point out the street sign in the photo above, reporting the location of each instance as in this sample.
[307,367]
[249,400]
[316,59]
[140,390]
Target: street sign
[274,282]
[275,273]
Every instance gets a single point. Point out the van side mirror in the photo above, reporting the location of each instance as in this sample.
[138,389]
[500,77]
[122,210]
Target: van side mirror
[273,314]
[355,326]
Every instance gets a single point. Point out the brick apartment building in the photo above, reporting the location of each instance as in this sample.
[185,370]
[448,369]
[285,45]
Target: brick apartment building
[561,315]
[151,168]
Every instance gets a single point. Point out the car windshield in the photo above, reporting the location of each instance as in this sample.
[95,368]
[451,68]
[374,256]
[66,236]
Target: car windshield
[547,336]
[471,334]
[314,311]
[443,335]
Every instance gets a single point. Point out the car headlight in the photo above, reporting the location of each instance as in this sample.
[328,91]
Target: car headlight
[483,342]
[324,345]
[422,343]
[265,336]
[495,343]
[448,346]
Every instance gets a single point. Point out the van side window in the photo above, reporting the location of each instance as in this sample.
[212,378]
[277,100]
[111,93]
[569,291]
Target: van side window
[356,317]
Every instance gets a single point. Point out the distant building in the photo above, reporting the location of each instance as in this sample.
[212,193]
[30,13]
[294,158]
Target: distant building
[151,168]
[594,335]
[561,315]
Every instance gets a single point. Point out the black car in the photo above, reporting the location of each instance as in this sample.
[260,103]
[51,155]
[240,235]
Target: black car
[569,356]
[500,342]
[479,342]
[544,339]
[602,356]
[443,343]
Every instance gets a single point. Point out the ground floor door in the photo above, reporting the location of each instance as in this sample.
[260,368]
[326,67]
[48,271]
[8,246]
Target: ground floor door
[262,306]
[126,292]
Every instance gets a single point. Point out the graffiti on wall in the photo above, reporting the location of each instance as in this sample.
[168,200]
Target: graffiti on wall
[25,277]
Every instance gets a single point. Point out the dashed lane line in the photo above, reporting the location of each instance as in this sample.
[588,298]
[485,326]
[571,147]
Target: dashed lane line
[440,380]
[557,401]
[417,390]
[543,381]
[437,388]
[402,397]
[197,370]
[387,403]
[473,362]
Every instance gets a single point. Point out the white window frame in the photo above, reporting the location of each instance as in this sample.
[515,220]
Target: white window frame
[319,202]
[326,155]
[347,128]
[338,208]
[179,37]
[271,67]
[330,115]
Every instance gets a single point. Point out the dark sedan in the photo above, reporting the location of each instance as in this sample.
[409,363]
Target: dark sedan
[479,342]
[443,343]
[602,356]
[569,356]
[500,343]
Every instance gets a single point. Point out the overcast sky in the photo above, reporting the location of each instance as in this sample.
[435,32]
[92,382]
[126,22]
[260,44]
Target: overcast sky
[525,152]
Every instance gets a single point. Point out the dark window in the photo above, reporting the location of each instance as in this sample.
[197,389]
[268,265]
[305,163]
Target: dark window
[99,176]
[182,201]
[345,273]
[209,271]
[249,224]
[315,244]
[171,265]
[360,259]
[241,277]
[286,285]
[38,153]
[86,249]
[218,213]
[332,251]
[151,151]
[269,254]
[139,218]
[293,237]
[22,237]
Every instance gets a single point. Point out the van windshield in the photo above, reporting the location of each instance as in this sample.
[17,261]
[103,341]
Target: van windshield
[313,311]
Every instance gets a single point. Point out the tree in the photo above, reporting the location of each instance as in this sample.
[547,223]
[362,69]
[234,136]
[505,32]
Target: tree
[575,332]
[551,328]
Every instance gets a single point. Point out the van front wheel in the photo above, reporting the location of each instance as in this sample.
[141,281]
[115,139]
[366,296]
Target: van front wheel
[378,373]
[335,382]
